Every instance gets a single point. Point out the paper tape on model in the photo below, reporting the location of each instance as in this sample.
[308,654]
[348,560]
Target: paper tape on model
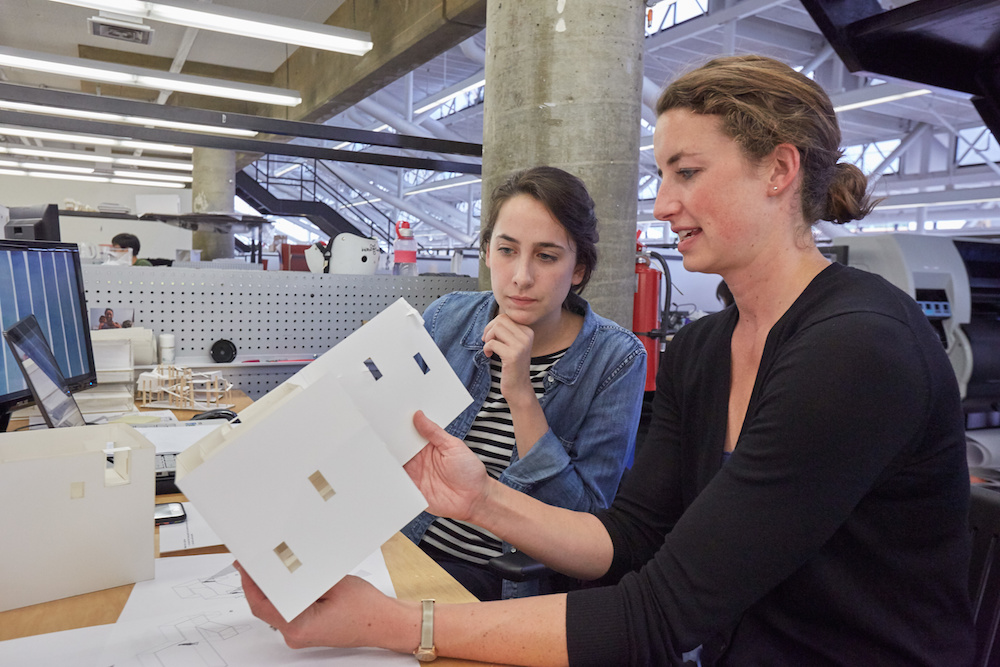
[311,482]
[982,448]
[73,523]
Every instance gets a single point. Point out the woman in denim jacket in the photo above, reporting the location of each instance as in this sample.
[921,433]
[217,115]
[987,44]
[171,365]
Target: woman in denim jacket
[556,416]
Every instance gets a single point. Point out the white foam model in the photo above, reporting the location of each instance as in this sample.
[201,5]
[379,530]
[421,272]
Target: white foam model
[311,481]
[72,523]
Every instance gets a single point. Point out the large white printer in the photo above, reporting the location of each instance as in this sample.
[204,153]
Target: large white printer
[956,281]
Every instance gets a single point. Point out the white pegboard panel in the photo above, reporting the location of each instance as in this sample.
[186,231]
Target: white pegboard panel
[266,314]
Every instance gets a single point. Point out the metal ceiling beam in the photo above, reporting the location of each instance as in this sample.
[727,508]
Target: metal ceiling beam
[274,126]
[233,143]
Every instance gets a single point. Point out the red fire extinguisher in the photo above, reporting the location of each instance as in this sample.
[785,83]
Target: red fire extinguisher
[646,309]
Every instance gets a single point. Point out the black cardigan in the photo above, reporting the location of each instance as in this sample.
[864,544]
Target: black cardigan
[835,534]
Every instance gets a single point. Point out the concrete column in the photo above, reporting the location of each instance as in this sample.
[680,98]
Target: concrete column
[212,191]
[564,88]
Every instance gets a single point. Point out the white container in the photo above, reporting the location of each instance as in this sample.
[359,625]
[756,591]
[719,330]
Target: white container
[166,348]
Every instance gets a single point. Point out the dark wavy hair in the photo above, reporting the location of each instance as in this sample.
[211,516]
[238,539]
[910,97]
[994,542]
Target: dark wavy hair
[566,198]
[762,103]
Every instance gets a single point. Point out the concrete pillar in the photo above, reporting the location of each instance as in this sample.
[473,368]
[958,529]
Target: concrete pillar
[212,191]
[564,88]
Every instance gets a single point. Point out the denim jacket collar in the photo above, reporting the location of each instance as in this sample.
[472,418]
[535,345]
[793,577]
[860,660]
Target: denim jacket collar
[567,369]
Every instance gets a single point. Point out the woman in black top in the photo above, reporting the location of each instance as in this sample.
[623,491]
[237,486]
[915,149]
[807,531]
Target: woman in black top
[801,496]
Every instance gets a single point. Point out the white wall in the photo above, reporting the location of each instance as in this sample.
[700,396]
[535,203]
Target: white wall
[27,191]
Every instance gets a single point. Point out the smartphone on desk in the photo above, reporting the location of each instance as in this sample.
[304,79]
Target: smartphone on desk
[169,513]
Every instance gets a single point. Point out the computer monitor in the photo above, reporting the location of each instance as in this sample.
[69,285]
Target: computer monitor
[33,223]
[44,280]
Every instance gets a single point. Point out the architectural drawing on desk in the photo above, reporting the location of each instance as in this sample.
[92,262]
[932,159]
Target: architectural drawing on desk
[179,387]
[223,584]
[190,642]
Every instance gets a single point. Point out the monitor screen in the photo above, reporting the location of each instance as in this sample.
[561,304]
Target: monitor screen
[44,280]
[33,223]
[41,371]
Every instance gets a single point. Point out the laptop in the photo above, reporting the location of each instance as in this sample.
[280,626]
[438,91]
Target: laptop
[41,373]
[52,395]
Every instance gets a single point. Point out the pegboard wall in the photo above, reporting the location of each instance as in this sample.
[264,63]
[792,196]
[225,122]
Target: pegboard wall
[268,315]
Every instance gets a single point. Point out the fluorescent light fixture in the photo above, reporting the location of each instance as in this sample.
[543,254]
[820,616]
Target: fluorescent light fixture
[86,156]
[69,177]
[450,93]
[80,156]
[126,75]
[286,169]
[946,198]
[44,166]
[443,185]
[131,120]
[871,95]
[238,22]
[149,184]
[45,135]
[152,176]
[154,164]
[360,203]
[91,179]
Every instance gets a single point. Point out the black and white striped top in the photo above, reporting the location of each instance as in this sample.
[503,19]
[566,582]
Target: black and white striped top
[491,437]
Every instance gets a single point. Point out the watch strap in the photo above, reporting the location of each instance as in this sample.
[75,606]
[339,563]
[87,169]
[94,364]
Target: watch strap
[426,651]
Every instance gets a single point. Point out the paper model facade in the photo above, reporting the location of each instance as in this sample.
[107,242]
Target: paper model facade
[311,482]
[72,522]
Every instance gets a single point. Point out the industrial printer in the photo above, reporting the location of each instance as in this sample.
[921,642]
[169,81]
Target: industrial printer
[956,281]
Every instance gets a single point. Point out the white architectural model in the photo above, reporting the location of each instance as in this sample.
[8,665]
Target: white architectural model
[178,387]
[73,521]
[311,482]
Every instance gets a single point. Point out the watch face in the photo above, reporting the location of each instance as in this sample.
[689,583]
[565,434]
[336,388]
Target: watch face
[426,654]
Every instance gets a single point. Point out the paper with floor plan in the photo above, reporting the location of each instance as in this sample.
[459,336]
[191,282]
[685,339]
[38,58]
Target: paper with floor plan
[194,614]
[311,481]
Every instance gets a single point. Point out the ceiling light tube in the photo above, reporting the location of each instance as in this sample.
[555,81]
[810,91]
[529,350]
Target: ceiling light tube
[80,156]
[154,164]
[126,75]
[93,140]
[132,120]
[149,184]
[68,177]
[148,175]
[443,185]
[66,169]
[286,169]
[236,21]
[880,94]
[451,93]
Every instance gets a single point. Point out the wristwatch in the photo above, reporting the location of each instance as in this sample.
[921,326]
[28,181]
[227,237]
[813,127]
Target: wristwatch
[426,652]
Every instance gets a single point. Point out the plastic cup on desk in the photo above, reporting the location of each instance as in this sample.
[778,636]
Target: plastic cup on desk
[166,348]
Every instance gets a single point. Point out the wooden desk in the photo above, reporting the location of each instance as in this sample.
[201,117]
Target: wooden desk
[414,576]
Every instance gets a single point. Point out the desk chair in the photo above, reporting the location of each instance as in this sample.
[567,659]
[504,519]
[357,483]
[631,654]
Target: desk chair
[984,573]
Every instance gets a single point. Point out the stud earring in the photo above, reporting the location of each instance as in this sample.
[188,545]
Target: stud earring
[775,188]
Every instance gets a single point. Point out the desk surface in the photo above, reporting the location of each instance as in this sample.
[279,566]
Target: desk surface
[414,576]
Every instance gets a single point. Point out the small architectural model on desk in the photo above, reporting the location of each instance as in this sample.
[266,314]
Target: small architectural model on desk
[178,387]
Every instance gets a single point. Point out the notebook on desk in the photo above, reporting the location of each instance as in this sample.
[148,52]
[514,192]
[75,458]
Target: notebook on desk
[52,395]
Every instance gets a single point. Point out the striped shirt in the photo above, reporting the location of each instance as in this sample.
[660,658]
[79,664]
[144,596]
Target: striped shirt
[491,437]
